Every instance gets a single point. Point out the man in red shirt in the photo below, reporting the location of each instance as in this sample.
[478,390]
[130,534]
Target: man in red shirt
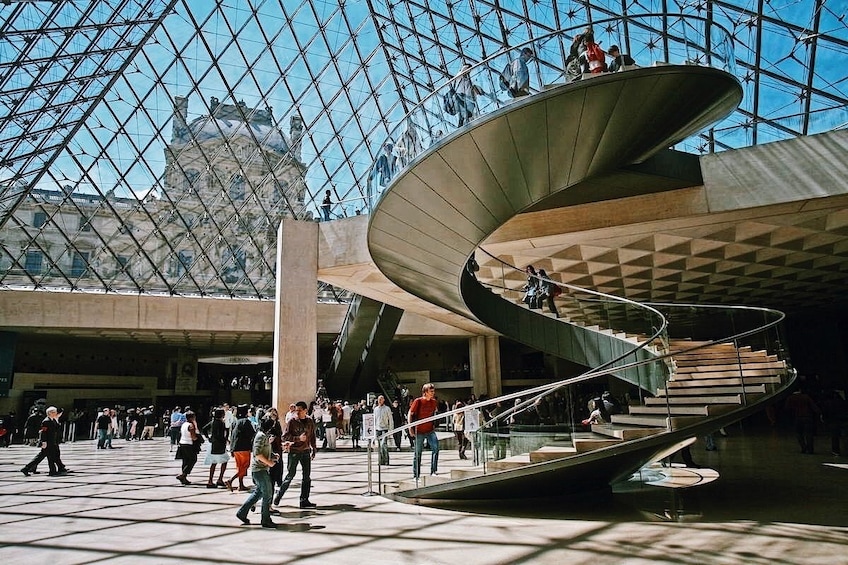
[421,408]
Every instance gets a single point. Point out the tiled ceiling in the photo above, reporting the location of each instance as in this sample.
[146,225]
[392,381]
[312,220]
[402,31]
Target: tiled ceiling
[87,119]
[776,258]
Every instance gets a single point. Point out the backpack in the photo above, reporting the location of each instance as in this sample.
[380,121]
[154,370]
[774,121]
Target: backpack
[595,57]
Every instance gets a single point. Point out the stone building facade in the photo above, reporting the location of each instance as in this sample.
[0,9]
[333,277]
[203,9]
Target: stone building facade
[208,228]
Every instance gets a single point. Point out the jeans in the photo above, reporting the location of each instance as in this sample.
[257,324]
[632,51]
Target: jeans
[102,436]
[305,460]
[433,442]
[264,489]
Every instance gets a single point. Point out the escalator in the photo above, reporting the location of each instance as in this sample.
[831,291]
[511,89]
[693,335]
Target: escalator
[361,348]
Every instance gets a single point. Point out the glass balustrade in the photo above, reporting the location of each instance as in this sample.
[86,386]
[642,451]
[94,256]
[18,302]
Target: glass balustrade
[557,420]
[479,90]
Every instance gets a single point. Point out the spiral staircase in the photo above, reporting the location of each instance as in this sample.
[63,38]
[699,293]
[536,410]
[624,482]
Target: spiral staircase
[698,368]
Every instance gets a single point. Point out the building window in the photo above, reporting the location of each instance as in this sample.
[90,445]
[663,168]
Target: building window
[79,264]
[84,224]
[33,262]
[280,189]
[191,177]
[39,219]
[235,262]
[237,188]
[184,261]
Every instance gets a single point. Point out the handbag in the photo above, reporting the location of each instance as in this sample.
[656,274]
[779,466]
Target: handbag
[198,443]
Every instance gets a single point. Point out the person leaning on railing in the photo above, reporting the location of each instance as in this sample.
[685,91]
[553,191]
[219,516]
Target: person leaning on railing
[619,59]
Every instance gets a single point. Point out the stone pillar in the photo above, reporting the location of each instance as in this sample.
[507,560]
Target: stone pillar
[477,362]
[493,365]
[295,322]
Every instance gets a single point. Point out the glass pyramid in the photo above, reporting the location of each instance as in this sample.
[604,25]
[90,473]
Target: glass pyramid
[152,146]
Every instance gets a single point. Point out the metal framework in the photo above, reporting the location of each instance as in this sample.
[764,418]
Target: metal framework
[153,145]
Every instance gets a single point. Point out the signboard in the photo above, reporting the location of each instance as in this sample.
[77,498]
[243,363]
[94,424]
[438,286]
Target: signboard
[369,428]
[7,362]
[472,420]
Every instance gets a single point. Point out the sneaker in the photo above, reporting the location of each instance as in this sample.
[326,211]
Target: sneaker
[307,504]
[243,519]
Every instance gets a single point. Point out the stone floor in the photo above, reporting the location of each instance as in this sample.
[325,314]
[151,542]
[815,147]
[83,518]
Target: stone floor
[770,505]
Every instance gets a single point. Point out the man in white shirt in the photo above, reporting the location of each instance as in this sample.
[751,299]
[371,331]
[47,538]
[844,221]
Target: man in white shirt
[291,414]
[347,410]
[383,422]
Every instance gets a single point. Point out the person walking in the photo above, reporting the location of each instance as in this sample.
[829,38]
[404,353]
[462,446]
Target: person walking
[515,78]
[217,454]
[241,445]
[263,459]
[104,423]
[421,408]
[177,421]
[49,437]
[459,429]
[466,93]
[187,450]
[300,443]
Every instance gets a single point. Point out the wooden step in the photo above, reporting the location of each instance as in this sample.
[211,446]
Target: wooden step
[625,433]
[552,453]
[675,409]
[457,474]
[409,484]
[696,400]
[713,390]
[635,420]
[779,365]
[514,462]
[691,359]
[688,383]
[597,441]
[710,378]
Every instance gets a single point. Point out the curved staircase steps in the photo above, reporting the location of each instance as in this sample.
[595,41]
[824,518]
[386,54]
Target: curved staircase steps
[706,384]
[625,433]
[552,453]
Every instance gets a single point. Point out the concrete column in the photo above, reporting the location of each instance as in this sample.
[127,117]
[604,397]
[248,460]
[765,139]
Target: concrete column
[477,362]
[295,316]
[493,365]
